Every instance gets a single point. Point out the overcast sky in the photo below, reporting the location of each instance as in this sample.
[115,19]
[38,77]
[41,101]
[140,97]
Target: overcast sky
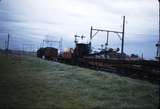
[34,19]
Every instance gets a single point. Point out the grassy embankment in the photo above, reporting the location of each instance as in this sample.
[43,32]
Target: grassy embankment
[33,83]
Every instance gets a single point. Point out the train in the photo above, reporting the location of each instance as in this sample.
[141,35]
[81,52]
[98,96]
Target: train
[106,60]
[48,53]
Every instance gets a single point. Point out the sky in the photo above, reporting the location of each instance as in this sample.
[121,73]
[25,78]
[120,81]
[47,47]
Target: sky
[32,20]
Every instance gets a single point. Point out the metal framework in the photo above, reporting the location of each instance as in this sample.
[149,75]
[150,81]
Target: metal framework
[120,34]
[7,43]
[53,41]
[31,47]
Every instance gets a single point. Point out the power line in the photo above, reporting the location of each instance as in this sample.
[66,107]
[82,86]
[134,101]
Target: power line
[143,34]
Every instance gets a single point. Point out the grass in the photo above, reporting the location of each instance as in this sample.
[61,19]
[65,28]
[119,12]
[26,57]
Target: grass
[28,82]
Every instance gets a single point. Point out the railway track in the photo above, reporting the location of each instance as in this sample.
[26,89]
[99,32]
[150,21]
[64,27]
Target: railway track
[141,69]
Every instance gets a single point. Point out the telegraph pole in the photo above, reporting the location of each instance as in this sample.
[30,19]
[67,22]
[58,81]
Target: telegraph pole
[159,33]
[123,31]
[7,43]
[106,44]
[90,45]
[158,43]
[91,33]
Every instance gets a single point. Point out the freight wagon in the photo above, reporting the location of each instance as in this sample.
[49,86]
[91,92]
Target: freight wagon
[48,53]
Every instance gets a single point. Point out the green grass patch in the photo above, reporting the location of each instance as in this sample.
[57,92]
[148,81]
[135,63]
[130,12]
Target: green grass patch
[28,82]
